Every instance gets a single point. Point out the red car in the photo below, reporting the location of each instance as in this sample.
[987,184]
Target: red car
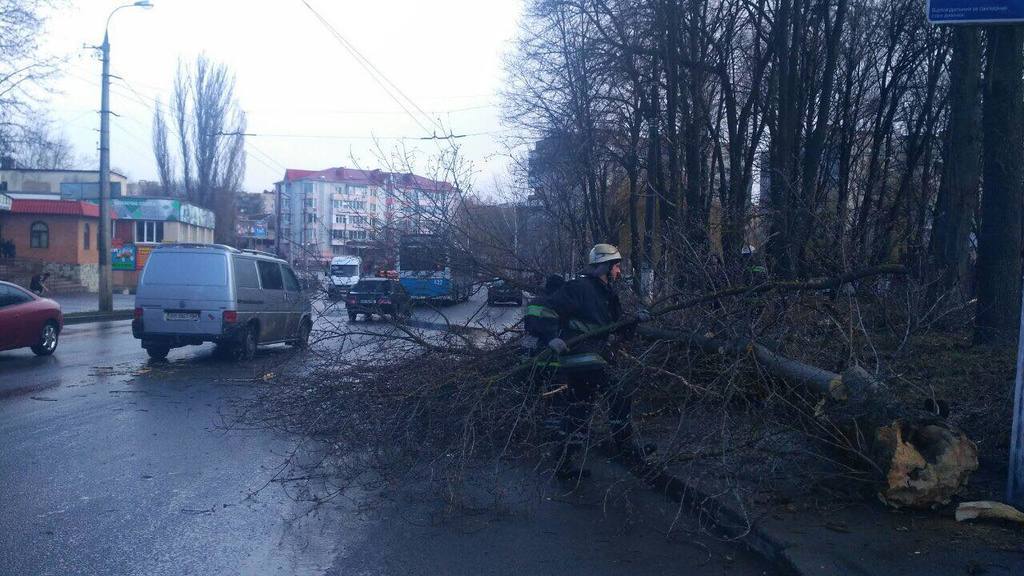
[26,320]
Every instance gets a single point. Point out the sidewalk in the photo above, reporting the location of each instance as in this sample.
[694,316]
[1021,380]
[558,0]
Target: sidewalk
[810,521]
[75,303]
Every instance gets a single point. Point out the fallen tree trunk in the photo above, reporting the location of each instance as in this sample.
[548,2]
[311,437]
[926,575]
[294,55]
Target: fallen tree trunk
[922,462]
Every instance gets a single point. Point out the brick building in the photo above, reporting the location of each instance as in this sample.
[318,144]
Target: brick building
[59,235]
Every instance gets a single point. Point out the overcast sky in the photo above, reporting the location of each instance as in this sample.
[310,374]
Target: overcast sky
[308,100]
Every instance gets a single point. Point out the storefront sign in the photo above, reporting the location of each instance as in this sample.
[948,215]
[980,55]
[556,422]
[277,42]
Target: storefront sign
[195,215]
[123,257]
[141,256]
[975,11]
[146,208]
[252,229]
[163,210]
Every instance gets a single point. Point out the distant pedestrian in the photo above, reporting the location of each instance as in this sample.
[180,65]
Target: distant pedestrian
[38,284]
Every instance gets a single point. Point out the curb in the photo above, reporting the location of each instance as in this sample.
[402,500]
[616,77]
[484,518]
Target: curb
[95,316]
[724,519]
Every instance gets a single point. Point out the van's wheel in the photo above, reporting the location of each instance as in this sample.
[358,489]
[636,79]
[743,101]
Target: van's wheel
[158,352]
[47,340]
[246,348]
[302,338]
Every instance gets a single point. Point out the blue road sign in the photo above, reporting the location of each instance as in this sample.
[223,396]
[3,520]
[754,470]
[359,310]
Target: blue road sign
[975,11]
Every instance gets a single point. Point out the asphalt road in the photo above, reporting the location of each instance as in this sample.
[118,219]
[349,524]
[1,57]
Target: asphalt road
[111,464]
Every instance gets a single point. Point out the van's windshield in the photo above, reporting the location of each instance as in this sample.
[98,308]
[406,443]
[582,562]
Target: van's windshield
[186,269]
[344,270]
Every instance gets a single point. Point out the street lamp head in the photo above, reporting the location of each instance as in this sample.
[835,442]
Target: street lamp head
[143,4]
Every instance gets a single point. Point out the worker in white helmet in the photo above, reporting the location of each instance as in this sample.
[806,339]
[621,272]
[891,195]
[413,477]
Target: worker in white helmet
[583,305]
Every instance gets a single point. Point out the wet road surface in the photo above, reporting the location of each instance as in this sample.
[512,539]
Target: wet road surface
[114,465]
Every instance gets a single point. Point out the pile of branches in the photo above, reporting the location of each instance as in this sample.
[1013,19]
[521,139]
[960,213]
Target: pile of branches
[746,390]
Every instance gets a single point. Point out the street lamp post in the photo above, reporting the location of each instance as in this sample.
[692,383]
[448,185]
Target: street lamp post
[106,303]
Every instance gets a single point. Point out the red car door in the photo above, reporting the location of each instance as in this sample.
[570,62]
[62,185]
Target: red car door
[9,314]
[21,317]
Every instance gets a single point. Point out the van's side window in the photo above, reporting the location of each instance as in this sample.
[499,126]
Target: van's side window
[270,275]
[291,283]
[245,273]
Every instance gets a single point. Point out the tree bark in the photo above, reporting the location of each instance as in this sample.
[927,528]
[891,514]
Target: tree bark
[957,202]
[999,237]
[919,460]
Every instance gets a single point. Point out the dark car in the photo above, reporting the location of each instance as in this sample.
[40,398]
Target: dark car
[380,296]
[28,321]
[501,291]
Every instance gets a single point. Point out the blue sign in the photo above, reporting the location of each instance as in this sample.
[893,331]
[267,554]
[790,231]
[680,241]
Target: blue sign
[975,11]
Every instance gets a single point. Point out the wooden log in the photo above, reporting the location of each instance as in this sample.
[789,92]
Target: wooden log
[922,461]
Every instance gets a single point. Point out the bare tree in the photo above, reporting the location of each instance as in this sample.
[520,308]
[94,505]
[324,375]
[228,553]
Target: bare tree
[957,201]
[23,70]
[40,146]
[999,236]
[162,151]
[210,139]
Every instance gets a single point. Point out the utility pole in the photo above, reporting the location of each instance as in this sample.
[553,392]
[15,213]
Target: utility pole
[1015,477]
[106,303]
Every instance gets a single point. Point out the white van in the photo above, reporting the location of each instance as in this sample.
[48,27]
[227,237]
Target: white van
[195,293]
[344,275]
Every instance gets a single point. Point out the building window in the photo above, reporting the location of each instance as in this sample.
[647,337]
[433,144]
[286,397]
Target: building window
[39,235]
[149,231]
[339,218]
[86,236]
[350,205]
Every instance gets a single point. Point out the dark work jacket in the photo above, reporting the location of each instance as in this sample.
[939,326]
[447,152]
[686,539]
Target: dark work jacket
[584,304]
[541,322]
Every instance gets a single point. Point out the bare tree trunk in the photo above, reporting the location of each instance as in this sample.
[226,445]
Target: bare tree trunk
[784,136]
[999,238]
[671,203]
[961,168]
[815,145]
[162,151]
[181,118]
[654,190]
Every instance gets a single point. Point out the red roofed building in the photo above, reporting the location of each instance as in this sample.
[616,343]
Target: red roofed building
[61,235]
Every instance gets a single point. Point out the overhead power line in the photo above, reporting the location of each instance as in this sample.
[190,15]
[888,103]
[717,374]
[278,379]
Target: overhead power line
[149,103]
[389,87]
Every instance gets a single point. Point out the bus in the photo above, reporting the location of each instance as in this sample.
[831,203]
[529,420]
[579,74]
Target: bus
[428,271]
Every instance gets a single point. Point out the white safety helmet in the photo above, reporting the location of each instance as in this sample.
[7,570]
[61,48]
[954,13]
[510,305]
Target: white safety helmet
[602,253]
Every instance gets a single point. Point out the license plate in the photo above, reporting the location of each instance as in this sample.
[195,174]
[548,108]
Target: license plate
[367,301]
[192,316]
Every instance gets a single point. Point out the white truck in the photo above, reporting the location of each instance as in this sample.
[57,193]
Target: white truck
[344,275]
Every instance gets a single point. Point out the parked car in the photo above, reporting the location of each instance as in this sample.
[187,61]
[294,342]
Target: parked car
[502,291]
[28,321]
[239,299]
[381,296]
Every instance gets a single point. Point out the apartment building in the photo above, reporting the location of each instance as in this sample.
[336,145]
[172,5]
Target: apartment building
[342,211]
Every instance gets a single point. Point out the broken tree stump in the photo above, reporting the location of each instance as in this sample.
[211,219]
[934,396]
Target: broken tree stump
[921,461]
